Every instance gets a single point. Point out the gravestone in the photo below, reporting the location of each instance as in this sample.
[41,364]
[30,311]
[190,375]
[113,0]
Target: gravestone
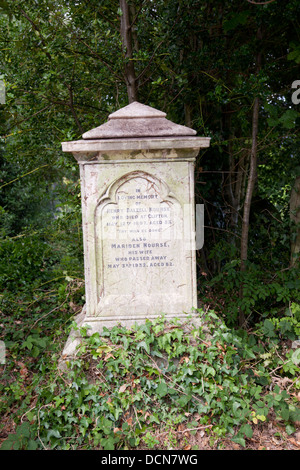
[138,215]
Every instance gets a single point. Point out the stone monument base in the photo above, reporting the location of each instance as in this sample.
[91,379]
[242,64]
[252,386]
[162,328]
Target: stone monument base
[96,325]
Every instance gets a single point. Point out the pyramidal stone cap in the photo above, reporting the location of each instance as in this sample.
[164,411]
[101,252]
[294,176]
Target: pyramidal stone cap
[138,120]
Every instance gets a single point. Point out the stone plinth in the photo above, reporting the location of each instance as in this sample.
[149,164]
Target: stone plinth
[137,183]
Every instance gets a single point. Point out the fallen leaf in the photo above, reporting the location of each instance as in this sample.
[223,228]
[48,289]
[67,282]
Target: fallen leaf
[295,443]
[123,388]
[104,349]
[23,371]
[73,306]
[107,356]
[184,359]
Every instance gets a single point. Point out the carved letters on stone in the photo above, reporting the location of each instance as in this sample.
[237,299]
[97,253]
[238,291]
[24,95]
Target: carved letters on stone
[140,258]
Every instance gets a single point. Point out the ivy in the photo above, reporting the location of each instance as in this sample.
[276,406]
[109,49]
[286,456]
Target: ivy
[127,386]
[116,395]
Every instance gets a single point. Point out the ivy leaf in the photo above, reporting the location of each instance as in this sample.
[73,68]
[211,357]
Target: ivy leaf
[239,440]
[162,389]
[104,349]
[144,345]
[53,433]
[184,400]
[125,342]
[294,414]
[210,371]
[296,357]
[235,407]
[247,430]
[154,419]
[284,412]
[289,429]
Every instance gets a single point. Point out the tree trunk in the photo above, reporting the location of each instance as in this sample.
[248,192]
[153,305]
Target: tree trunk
[248,199]
[233,183]
[295,218]
[251,182]
[250,185]
[126,36]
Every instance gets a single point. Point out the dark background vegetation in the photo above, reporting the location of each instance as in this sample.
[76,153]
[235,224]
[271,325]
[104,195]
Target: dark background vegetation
[223,68]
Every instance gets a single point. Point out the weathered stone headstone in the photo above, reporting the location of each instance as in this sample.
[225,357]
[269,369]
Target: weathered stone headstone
[137,183]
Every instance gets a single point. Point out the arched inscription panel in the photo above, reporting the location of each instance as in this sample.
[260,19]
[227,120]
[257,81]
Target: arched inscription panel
[140,260]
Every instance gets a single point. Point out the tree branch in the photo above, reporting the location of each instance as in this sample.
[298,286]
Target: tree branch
[137,14]
[29,117]
[126,36]
[251,180]
[250,186]
[37,29]
[100,59]
[71,104]
[151,58]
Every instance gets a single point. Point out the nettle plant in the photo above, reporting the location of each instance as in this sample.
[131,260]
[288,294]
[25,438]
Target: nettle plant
[128,387]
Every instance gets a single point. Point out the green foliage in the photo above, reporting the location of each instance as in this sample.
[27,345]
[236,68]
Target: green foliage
[294,54]
[23,260]
[21,439]
[127,385]
[258,293]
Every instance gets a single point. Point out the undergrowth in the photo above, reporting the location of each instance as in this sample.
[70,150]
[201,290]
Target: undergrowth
[150,386]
